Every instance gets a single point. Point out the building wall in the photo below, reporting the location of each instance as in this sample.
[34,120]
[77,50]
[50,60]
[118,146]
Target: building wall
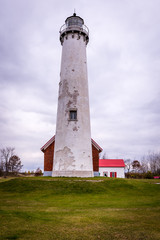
[48,158]
[118,170]
[95,156]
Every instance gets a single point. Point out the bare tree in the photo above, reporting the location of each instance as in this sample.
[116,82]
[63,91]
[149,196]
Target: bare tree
[9,161]
[1,167]
[104,155]
[154,161]
[128,164]
[145,165]
[6,154]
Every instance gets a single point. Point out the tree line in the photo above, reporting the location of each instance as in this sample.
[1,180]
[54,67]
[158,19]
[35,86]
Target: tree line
[148,167]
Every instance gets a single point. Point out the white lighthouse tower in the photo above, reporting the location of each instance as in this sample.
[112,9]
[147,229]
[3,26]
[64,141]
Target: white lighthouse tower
[72,151]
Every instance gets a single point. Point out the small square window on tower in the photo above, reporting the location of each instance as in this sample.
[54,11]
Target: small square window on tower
[73,114]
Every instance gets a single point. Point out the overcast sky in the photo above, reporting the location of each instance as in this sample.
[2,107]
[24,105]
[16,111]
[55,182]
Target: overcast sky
[123,57]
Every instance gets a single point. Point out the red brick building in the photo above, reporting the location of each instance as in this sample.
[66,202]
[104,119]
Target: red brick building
[48,150]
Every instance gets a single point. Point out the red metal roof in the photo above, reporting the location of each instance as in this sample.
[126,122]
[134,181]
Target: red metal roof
[111,163]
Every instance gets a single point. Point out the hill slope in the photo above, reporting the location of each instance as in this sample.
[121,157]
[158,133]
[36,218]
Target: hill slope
[75,208]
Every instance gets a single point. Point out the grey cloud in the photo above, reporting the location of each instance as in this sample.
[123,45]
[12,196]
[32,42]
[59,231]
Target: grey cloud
[123,70]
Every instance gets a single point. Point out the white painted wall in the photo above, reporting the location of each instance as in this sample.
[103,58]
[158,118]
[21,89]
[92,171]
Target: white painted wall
[73,152]
[119,170]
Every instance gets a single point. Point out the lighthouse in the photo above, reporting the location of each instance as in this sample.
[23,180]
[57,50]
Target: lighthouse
[73,150]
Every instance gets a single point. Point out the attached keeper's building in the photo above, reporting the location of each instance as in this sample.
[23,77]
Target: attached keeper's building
[48,150]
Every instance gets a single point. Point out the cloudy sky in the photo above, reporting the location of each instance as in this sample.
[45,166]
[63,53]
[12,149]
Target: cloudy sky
[123,73]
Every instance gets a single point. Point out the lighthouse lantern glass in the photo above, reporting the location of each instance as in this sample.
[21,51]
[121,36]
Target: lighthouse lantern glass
[74,21]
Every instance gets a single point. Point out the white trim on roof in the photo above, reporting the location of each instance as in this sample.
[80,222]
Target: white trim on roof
[48,143]
[53,139]
[96,145]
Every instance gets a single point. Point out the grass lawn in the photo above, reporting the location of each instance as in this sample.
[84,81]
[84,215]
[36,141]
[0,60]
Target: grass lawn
[79,209]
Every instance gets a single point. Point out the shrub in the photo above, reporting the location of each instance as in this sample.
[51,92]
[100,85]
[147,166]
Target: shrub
[38,172]
[148,175]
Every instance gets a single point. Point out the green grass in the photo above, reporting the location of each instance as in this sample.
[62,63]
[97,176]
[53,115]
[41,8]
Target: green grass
[79,209]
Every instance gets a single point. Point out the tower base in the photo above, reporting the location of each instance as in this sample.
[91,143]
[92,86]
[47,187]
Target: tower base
[72,174]
[47,174]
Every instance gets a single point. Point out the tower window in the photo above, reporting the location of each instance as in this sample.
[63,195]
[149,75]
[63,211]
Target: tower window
[73,115]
